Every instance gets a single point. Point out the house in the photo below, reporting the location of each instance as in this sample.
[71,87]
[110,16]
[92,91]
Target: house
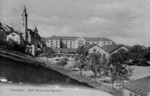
[14,36]
[61,42]
[30,48]
[75,42]
[139,87]
[5,30]
[92,48]
[110,49]
[33,36]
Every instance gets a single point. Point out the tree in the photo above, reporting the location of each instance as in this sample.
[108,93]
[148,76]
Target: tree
[81,58]
[137,54]
[95,63]
[147,54]
[119,69]
[48,52]
[105,65]
[63,62]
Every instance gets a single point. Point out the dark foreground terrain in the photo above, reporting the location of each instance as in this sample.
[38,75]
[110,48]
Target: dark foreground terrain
[34,74]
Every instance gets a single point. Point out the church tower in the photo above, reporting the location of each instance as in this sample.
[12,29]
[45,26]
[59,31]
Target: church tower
[25,24]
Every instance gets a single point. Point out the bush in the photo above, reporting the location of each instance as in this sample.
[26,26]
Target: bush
[63,61]
[142,63]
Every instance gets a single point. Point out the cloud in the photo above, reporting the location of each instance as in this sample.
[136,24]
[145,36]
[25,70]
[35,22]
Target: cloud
[94,20]
[125,21]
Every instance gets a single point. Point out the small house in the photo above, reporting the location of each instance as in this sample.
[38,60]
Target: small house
[14,36]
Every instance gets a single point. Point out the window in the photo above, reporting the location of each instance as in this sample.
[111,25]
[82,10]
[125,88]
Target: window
[13,34]
[104,42]
[94,50]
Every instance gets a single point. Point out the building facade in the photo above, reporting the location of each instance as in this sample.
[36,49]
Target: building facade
[76,42]
[14,36]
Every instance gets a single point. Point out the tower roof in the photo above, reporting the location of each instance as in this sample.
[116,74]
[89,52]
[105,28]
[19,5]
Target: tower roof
[25,11]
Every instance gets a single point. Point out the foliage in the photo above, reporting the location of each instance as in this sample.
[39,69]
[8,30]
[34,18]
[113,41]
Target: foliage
[12,45]
[119,69]
[48,52]
[63,61]
[140,55]
[81,58]
[105,65]
[137,52]
[95,63]
[147,54]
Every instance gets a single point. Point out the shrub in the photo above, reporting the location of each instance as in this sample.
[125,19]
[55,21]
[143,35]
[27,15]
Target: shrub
[143,63]
[63,61]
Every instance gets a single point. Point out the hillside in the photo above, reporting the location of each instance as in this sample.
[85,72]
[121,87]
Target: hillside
[32,73]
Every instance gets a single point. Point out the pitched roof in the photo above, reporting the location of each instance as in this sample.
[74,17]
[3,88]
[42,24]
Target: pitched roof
[74,38]
[88,46]
[111,48]
[33,32]
[96,39]
[65,50]
[140,86]
[63,38]
[91,38]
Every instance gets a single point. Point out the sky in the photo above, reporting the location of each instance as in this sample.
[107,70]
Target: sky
[123,21]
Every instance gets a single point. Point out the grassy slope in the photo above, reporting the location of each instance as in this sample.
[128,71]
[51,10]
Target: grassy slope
[33,74]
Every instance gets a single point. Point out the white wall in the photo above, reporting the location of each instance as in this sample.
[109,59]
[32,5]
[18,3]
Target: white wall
[14,37]
[53,43]
[101,51]
[78,40]
[70,43]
